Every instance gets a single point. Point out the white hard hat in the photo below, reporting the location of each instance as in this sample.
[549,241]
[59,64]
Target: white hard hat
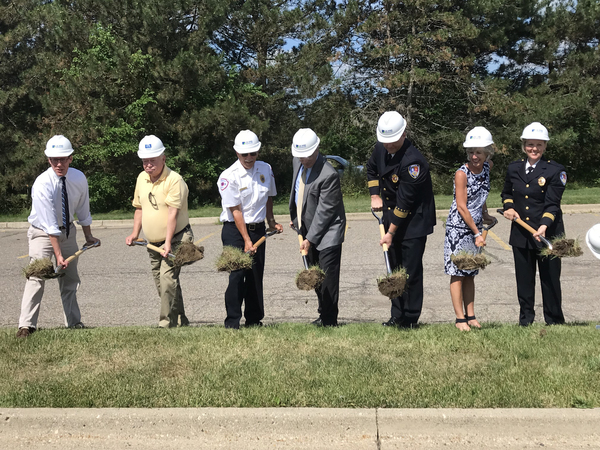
[246,142]
[535,130]
[58,146]
[150,147]
[478,137]
[592,238]
[390,127]
[305,143]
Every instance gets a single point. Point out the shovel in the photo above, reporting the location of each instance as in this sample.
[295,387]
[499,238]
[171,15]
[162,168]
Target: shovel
[154,248]
[263,239]
[58,272]
[529,228]
[303,252]
[232,258]
[393,284]
[310,277]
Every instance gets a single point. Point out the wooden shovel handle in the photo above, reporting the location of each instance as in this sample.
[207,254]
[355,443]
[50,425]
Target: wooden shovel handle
[260,241]
[300,241]
[526,226]
[382,233]
[152,247]
[75,255]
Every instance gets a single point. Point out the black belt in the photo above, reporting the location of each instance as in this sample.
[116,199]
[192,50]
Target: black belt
[64,228]
[254,226]
[183,230]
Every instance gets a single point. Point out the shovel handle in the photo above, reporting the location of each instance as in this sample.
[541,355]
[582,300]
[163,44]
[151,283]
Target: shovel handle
[153,247]
[300,241]
[260,241]
[531,230]
[382,233]
[75,255]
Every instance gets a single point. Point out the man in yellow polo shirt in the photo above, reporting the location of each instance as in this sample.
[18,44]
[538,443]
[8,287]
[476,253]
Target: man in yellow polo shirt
[161,210]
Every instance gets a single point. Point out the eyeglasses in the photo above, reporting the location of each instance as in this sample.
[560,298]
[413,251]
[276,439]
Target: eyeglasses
[252,154]
[152,200]
[57,161]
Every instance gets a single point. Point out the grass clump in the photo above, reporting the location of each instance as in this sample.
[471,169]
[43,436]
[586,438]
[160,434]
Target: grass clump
[309,279]
[40,268]
[393,284]
[232,258]
[464,260]
[563,248]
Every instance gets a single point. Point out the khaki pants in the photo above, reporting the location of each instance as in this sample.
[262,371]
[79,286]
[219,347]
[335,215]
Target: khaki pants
[40,247]
[166,278]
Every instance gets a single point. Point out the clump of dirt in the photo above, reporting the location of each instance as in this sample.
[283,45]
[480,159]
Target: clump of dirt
[393,285]
[309,279]
[40,268]
[187,253]
[469,261]
[563,248]
[232,259]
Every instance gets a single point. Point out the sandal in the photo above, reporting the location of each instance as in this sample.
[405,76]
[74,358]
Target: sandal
[471,318]
[461,321]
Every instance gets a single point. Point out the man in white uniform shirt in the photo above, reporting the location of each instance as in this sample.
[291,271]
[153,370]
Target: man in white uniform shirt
[57,194]
[247,189]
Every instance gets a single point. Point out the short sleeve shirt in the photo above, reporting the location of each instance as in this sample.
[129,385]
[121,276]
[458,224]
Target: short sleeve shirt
[249,188]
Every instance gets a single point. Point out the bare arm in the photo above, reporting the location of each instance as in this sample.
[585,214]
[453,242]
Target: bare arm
[240,224]
[137,227]
[171,224]
[460,182]
[271,217]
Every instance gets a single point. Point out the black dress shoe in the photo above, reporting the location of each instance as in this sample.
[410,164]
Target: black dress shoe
[253,324]
[318,322]
[393,322]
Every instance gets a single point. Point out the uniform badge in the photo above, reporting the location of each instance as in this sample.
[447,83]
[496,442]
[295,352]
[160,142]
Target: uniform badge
[262,178]
[414,171]
[395,178]
[223,183]
[541,181]
[563,178]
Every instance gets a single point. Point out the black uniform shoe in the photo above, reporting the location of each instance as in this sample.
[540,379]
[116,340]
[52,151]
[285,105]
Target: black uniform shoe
[255,324]
[393,322]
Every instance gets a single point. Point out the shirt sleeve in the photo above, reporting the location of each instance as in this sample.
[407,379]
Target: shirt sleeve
[373,174]
[177,193]
[43,205]
[272,187]
[229,190]
[553,196]
[84,217]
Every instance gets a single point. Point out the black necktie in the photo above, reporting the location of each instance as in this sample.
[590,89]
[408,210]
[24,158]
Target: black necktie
[530,169]
[388,158]
[65,205]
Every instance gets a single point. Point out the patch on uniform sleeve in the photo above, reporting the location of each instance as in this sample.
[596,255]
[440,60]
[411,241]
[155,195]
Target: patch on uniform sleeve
[262,178]
[223,183]
[414,171]
[563,178]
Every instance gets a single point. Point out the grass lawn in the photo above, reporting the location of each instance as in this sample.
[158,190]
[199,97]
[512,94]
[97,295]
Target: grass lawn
[363,365]
[573,196]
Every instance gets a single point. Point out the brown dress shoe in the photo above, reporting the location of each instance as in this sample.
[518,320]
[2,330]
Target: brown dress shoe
[23,332]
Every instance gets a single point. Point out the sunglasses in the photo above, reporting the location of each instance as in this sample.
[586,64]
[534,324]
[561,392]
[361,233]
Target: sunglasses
[57,161]
[251,154]
[152,200]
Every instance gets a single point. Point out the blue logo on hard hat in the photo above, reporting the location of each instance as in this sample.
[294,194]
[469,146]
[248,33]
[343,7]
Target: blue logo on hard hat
[148,146]
[247,142]
[386,131]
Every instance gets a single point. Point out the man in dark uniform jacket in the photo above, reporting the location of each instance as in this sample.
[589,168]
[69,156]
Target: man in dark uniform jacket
[532,192]
[400,185]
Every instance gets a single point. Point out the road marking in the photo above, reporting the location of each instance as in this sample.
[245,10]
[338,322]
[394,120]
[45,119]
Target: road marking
[346,230]
[21,257]
[498,240]
[204,238]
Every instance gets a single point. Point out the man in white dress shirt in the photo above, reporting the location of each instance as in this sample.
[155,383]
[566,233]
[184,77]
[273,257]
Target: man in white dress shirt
[57,194]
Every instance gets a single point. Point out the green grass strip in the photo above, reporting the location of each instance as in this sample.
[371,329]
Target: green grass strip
[364,365]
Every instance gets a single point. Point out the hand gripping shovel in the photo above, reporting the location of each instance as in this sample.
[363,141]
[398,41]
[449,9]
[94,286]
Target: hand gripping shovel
[154,248]
[43,268]
[232,258]
[392,285]
[465,260]
[310,277]
[529,228]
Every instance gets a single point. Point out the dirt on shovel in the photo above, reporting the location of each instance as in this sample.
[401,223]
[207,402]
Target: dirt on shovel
[393,285]
[187,253]
[309,279]
[464,260]
[232,258]
[563,248]
[39,268]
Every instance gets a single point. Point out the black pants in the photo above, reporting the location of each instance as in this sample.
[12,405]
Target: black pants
[245,285]
[329,260]
[525,265]
[408,253]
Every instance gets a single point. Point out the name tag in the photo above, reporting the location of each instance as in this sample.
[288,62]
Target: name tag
[243,189]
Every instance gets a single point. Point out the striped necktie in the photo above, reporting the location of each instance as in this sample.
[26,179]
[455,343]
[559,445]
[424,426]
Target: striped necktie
[65,205]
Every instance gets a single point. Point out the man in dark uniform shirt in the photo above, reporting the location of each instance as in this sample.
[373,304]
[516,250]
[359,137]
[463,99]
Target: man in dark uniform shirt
[532,192]
[400,185]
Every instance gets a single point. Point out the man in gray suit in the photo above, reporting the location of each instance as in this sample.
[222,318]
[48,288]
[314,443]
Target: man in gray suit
[317,210]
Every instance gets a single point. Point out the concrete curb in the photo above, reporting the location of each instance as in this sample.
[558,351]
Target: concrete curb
[298,428]
[127,223]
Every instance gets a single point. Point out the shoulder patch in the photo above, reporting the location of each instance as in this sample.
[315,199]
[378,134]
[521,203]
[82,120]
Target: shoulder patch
[563,178]
[414,171]
[262,178]
[223,183]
